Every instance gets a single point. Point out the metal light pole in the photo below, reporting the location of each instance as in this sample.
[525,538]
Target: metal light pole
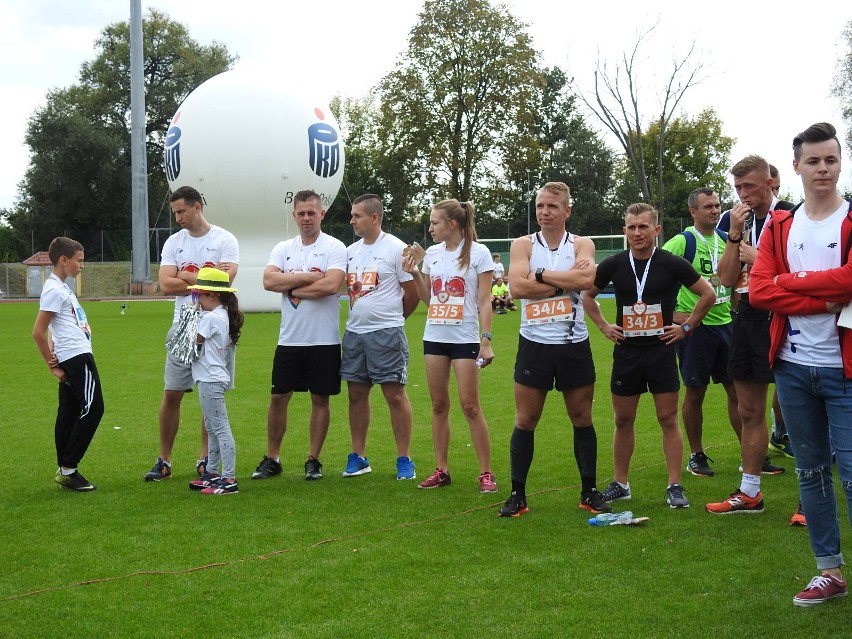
[140,265]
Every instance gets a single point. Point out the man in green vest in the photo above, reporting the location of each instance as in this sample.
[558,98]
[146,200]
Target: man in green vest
[704,356]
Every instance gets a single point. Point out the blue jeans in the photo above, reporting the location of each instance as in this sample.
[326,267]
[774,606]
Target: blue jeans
[817,407]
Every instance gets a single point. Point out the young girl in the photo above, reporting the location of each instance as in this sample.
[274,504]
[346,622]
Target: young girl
[458,294]
[218,331]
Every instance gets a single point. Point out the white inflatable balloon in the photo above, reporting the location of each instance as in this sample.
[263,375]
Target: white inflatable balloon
[248,143]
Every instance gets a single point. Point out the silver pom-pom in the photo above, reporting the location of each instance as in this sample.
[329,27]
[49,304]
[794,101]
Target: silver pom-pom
[182,343]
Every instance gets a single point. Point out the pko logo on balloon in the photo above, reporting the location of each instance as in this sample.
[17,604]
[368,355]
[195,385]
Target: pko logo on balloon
[323,149]
[324,145]
[172,152]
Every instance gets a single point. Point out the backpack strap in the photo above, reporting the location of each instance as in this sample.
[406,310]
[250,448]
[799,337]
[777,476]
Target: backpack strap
[689,251]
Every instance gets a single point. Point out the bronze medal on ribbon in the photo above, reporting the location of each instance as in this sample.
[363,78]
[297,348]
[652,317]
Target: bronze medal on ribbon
[715,280]
[443,296]
[356,286]
[640,307]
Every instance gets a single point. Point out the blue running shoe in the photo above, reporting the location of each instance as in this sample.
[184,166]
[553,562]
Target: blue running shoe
[355,466]
[405,468]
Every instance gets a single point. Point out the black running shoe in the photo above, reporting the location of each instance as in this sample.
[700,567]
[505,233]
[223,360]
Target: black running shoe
[74,481]
[266,468]
[161,470]
[594,503]
[313,469]
[515,506]
[769,468]
[698,465]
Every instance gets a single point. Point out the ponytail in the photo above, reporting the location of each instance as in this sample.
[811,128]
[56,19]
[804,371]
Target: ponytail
[235,315]
[462,214]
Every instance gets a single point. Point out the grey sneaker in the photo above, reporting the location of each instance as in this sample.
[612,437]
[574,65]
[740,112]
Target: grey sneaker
[698,465]
[675,497]
[615,492]
[313,469]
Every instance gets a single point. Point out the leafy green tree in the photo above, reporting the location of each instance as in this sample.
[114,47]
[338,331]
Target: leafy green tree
[79,173]
[574,154]
[697,154]
[457,105]
[842,88]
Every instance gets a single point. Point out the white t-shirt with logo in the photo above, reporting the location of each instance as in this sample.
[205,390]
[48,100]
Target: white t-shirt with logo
[453,314]
[189,253]
[213,364]
[812,340]
[374,281]
[313,322]
[69,326]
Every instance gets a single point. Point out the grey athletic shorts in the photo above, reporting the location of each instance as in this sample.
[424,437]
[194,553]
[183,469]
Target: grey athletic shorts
[375,358]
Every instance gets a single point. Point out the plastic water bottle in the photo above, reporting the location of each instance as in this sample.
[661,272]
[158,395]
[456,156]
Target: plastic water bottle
[611,519]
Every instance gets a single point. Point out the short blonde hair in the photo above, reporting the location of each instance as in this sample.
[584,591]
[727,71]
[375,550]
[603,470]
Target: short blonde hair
[558,188]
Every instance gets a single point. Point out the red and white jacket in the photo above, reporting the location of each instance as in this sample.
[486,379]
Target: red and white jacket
[803,292]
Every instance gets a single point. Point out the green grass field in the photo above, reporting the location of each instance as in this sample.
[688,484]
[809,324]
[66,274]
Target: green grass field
[369,556]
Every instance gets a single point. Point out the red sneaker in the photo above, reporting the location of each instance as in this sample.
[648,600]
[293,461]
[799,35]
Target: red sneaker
[437,479]
[821,588]
[487,483]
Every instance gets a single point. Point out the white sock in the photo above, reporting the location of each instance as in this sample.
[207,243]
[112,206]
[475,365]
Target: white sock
[624,486]
[68,471]
[750,485]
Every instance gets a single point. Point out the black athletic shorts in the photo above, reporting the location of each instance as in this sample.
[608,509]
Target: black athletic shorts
[748,360]
[306,368]
[563,366]
[637,369]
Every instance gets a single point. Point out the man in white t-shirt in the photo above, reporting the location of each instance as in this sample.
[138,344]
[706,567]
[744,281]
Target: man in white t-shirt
[198,244]
[375,348]
[499,269]
[308,271]
[803,274]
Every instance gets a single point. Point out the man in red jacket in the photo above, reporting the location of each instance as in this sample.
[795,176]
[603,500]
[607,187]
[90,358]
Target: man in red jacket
[803,274]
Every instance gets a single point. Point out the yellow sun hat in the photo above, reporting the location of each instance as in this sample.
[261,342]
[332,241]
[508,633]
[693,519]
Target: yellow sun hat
[212,279]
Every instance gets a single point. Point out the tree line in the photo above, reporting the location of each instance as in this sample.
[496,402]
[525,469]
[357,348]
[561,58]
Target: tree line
[467,111]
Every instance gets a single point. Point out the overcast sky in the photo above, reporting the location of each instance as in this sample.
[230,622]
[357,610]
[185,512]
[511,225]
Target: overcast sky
[768,71]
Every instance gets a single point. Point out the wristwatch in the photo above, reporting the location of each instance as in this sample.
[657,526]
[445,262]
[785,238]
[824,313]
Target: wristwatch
[686,328]
[538,275]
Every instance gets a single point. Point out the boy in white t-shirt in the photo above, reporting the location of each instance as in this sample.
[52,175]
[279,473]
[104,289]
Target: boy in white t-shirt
[63,337]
